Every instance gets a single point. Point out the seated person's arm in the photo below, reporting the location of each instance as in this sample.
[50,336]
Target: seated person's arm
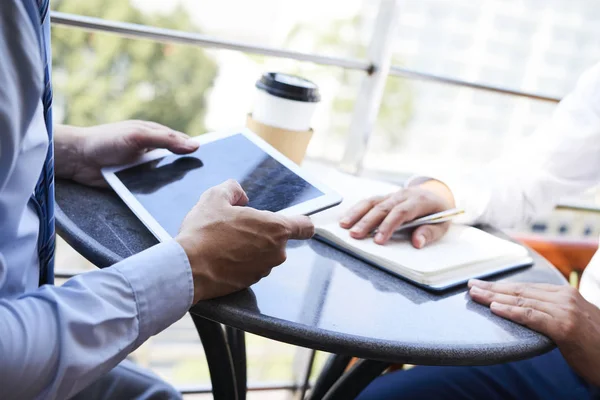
[54,341]
[561,158]
[559,312]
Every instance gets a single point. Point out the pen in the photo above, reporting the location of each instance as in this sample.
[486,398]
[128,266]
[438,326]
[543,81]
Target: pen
[436,218]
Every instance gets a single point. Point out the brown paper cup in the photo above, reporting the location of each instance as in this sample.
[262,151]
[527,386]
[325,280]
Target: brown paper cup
[292,144]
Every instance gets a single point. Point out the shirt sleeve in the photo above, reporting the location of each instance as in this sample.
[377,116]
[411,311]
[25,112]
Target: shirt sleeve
[55,341]
[562,158]
[21,81]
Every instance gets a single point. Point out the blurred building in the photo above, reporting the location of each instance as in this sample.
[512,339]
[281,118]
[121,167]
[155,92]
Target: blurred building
[535,46]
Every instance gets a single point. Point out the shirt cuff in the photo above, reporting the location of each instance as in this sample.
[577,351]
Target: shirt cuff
[163,286]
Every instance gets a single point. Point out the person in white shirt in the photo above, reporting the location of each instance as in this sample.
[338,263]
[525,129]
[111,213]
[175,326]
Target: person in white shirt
[561,159]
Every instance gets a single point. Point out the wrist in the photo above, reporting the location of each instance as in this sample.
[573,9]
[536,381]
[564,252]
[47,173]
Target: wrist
[189,246]
[68,150]
[439,188]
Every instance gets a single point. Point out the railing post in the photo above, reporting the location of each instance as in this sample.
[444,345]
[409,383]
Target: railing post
[370,94]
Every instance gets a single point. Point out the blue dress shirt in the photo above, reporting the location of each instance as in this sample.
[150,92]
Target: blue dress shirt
[54,341]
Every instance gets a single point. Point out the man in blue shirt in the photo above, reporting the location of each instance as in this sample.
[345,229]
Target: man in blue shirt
[60,342]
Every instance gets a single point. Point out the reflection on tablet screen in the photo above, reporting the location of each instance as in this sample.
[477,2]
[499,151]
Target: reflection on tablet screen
[170,186]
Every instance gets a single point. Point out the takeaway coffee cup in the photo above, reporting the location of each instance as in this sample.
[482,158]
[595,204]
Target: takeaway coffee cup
[283,111]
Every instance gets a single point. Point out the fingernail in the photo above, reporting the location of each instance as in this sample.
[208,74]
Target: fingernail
[497,306]
[356,230]
[420,241]
[473,282]
[345,221]
[191,144]
[476,290]
[380,237]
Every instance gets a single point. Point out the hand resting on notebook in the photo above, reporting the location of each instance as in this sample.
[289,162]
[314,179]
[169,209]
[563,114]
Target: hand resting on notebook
[387,213]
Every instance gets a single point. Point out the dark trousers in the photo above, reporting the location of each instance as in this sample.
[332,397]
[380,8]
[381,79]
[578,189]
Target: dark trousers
[127,381]
[544,377]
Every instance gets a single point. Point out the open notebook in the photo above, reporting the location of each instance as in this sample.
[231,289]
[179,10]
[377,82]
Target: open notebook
[464,252]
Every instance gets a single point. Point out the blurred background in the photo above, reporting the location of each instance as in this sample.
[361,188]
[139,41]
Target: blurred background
[531,46]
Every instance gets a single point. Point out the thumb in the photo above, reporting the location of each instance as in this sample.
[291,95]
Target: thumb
[230,191]
[301,227]
[428,234]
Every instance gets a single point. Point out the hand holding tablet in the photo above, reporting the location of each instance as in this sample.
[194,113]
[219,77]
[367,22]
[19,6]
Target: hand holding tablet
[237,232]
[231,247]
[161,188]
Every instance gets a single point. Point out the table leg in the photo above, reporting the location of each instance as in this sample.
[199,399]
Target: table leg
[332,371]
[237,345]
[356,379]
[306,378]
[218,357]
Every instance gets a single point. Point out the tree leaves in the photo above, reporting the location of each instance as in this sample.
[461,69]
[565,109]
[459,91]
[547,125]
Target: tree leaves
[100,77]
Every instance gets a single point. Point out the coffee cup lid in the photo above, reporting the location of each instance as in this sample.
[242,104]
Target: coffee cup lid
[289,87]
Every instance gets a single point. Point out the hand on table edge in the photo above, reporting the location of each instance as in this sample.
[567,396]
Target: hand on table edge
[557,311]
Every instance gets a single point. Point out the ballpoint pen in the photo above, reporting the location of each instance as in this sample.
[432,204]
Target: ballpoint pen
[436,218]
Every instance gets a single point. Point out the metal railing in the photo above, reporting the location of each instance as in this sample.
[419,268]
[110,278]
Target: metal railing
[137,31]
[412,74]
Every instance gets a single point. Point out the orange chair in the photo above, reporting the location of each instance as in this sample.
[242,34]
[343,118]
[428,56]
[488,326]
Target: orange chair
[570,256]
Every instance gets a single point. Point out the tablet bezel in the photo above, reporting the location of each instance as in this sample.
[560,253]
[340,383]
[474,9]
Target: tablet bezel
[329,198]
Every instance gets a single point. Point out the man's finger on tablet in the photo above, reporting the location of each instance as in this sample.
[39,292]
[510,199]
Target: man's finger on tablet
[230,191]
[301,227]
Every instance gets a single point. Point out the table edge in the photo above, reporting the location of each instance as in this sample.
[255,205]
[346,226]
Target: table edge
[374,349]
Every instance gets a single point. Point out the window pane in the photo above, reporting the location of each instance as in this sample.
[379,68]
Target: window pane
[531,45]
[425,126]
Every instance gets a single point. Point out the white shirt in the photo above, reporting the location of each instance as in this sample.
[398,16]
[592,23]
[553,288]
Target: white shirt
[54,341]
[561,159]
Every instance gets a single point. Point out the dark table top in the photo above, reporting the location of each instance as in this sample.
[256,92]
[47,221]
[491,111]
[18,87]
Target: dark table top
[322,298]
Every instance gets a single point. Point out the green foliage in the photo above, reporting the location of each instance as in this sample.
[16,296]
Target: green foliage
[101,78]
[343,36]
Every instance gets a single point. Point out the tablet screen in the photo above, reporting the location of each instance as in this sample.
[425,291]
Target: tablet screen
[169,187]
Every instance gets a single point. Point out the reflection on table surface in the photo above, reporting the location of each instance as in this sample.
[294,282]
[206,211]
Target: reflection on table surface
[325,289]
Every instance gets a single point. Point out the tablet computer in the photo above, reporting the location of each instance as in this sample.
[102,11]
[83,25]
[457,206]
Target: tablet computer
[161,187]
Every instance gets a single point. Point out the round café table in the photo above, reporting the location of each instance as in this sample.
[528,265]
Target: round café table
[322,299]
